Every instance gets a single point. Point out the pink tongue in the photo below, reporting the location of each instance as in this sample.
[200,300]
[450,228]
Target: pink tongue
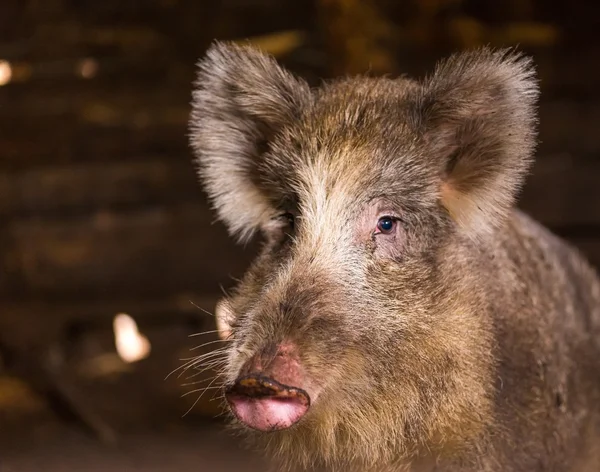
[268,413]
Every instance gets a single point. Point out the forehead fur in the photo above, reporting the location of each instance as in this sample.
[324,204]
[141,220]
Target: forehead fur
[357,136]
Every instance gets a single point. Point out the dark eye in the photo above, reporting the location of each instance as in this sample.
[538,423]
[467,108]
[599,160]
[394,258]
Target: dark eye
[288,219]
[386,224]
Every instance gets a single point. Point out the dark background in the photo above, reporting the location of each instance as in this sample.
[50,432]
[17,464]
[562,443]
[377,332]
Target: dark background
[100,211]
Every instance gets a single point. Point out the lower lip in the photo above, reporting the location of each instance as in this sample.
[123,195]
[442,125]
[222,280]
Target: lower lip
[267,413]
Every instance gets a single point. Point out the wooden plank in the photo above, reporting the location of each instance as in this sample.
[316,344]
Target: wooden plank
[33,141]
[569,126]
[108,254]
[162,102]
[80,188]
[110,132]
[36,323]
[563,191]
[563,74]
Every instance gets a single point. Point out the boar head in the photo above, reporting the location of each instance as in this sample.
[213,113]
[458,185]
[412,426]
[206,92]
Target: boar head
[360,334]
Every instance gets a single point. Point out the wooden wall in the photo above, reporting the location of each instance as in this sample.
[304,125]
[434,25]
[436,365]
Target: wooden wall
[99,207]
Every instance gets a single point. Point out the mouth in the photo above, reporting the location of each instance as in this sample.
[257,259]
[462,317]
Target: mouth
[264,404]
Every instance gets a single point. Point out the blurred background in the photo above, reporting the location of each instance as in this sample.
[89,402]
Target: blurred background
[109,255]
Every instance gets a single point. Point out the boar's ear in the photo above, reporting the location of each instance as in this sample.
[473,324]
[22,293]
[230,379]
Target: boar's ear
[477,114]
[242,97]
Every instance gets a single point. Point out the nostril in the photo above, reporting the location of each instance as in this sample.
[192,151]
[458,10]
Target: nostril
[264,404]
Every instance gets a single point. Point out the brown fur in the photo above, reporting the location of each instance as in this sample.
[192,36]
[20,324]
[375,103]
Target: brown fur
[469,339]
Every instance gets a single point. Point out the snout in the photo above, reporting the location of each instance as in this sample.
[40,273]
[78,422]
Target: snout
[271,392]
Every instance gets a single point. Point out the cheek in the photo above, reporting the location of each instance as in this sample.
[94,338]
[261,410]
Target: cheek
[390,246]
[385,248]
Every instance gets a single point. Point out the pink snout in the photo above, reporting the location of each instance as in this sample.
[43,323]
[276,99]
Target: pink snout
[270,393]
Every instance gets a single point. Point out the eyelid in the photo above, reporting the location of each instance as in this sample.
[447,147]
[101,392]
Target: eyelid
[389,214]
[283,215]
[285,220]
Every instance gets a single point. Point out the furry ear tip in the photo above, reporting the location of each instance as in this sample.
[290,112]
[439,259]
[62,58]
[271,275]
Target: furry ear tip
[217,53]
[220,51]
[487,70]
[220,55]
[487,56]
[521,62]
[523,69]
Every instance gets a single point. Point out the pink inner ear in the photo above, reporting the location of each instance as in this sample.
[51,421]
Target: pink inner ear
[449,196]
[463,208]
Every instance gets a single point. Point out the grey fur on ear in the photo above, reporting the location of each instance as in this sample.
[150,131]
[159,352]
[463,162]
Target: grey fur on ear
[242,97]
[478,113]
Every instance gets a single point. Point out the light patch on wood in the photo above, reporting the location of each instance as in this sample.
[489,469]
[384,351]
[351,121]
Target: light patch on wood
[131,345]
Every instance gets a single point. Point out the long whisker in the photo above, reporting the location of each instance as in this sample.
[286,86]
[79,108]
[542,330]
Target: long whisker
[222,396]
[187,368]
[208,365]
[220,350]
[197,382]
[206,360]
[203,333]
[203,389]
[209,355]
[210,342]
[192,361]
[223,290]
[202,309]
[200,396]
[201,370]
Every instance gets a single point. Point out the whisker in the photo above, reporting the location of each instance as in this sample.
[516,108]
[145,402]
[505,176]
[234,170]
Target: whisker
[203,333]
[222,396]
[220,350]
[200,396]
[182,366]
[221,413]
[197,382]
[209,365]
[202,309]
[223,290]
[208,356]
[191,361]
[202,369]
[201,361]
[210,342]
[203,389]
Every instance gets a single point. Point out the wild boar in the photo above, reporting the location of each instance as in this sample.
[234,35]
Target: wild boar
[402,314]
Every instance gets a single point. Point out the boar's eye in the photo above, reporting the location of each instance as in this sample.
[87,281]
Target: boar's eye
[280,227]
[288,220]
[386,224]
